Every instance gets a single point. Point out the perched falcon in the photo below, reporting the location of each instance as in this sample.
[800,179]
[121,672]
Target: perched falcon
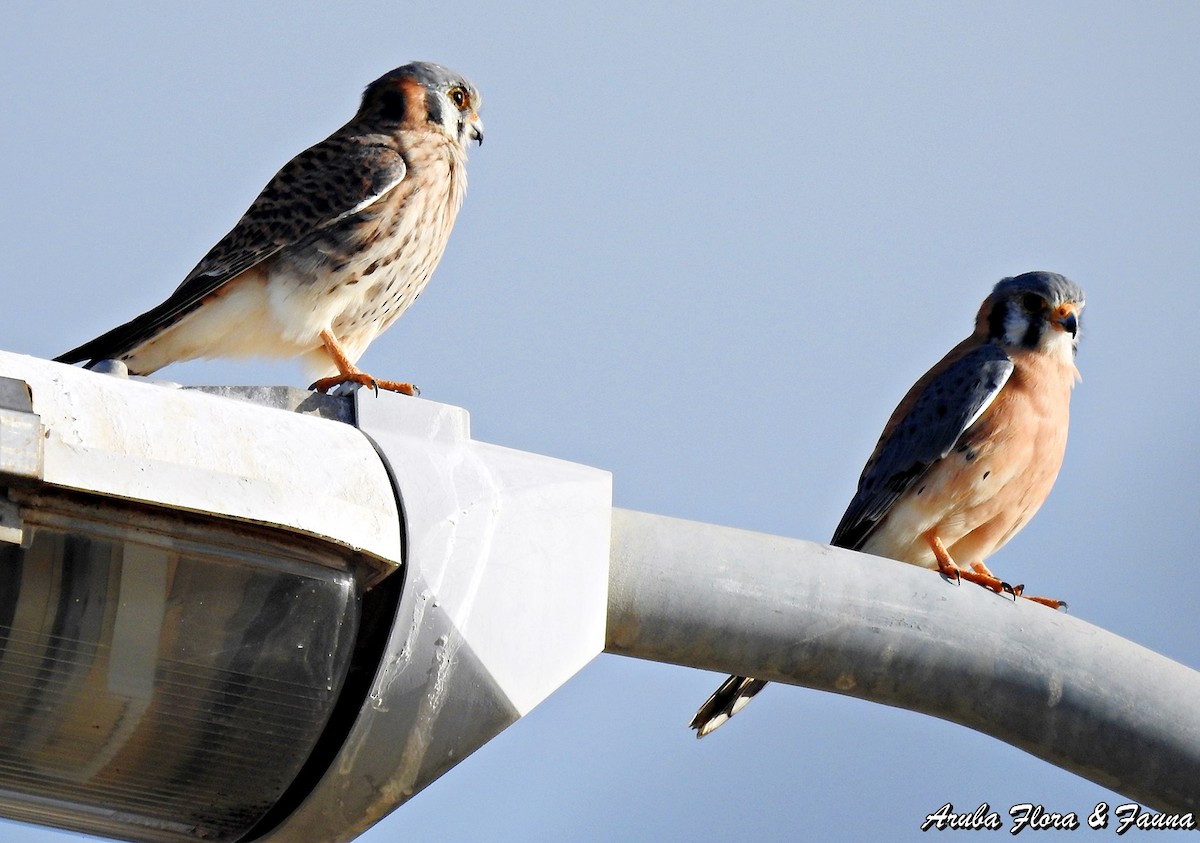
[339,243]
[969,455]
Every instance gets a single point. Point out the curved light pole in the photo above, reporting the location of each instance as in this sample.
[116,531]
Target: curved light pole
[803,613]
[272,616]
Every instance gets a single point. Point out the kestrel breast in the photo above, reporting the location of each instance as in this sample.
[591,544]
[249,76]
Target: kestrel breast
[364,273]
[995,478]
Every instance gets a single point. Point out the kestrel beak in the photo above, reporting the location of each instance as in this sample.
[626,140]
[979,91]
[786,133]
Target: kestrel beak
[475,128]
[1066,318]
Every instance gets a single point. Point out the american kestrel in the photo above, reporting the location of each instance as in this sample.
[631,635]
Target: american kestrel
[969,455]
[339,243]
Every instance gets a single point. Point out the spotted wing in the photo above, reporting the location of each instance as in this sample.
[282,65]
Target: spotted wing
[923,430]
[320,187]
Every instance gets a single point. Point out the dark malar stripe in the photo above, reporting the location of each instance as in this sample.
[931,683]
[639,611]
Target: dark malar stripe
[433,107]
[1033,334]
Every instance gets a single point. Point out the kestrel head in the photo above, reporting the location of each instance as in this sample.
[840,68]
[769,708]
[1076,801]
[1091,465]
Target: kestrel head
[425,95]
[1039,311]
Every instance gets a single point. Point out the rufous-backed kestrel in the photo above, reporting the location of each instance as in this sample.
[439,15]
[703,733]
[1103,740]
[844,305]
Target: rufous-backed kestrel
[971,452]
[339,243]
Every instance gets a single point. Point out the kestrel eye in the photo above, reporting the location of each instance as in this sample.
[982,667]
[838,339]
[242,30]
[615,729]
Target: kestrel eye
[459,97]
[1033,303]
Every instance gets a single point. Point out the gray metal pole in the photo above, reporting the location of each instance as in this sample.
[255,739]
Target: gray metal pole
[794,611]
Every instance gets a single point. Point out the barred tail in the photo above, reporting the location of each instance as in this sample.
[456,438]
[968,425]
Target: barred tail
[124,339]
[725,702]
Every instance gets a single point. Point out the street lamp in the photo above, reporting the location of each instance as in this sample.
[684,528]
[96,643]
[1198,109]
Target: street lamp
[262,614]
[217,624]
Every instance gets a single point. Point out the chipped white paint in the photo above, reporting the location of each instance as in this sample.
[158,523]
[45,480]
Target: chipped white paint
[148,442]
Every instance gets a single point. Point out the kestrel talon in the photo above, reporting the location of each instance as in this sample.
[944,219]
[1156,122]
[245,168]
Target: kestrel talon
[336,247]
[969,455]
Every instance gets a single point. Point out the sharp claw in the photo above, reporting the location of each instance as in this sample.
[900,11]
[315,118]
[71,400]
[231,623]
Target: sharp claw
[347,383]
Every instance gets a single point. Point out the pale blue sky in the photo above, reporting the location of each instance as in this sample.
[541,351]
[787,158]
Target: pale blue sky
[708,251]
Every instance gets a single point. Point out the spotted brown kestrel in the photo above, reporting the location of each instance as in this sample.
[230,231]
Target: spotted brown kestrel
[969,455]
[339,243]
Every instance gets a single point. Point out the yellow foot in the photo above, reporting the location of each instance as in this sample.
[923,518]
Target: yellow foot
[363,379]
[1019,590]
[1045,601]
[979,574]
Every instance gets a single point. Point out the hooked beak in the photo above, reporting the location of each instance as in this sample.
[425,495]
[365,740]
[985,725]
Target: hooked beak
[475,128]
[1066,318]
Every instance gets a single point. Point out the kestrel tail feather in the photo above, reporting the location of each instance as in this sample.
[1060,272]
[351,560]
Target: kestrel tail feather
[733,695]
[123,339]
